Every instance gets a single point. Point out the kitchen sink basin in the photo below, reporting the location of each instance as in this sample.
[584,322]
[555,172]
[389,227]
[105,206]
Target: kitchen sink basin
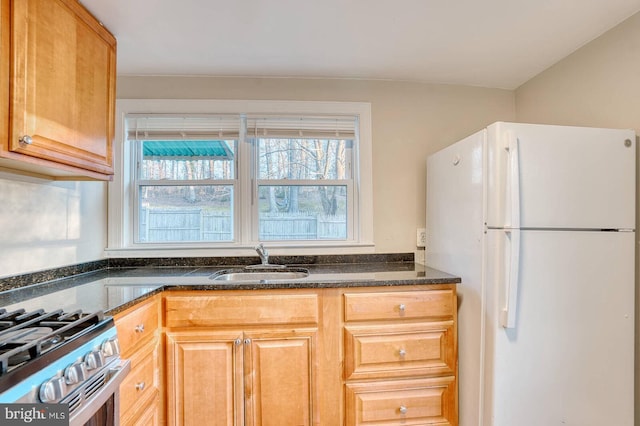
[244,275]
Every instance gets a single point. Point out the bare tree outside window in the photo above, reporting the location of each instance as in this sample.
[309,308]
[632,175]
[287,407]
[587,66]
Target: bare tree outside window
[307,162]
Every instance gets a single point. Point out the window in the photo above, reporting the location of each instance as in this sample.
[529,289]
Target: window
[185,177]
[229,174]
[304,177]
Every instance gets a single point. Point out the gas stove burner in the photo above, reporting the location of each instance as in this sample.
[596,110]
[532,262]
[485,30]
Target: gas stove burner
[62,358]
[26,336]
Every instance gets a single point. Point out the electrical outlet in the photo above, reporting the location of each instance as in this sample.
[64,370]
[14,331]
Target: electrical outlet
[421,237]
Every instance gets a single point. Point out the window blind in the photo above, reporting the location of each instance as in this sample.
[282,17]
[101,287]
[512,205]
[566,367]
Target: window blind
[325,127]
[159,127]
[224,127]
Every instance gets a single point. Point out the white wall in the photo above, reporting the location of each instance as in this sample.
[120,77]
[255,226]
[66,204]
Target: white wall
[49,224]
[52,224]
[598,85]
[410,120]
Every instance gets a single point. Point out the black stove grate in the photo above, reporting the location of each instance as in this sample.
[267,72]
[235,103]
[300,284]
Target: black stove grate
[25,336]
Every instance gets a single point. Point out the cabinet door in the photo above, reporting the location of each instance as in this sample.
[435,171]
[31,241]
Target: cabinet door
[204,378]
[62,85]
[280,378]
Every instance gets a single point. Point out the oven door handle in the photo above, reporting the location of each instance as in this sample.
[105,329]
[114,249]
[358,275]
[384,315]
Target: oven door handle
[89,407]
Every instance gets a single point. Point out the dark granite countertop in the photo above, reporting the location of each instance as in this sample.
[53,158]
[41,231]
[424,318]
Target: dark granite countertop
[114,289]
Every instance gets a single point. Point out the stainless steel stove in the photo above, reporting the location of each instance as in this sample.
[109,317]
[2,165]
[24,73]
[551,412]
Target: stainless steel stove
[62,358]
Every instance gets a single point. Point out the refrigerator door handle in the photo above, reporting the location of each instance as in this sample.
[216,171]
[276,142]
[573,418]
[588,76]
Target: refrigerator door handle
[513,180]
[509,312]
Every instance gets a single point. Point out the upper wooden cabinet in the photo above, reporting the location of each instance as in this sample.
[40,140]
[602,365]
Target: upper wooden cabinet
[58,90]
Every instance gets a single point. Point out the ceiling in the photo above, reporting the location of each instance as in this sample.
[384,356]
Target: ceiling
[488,43]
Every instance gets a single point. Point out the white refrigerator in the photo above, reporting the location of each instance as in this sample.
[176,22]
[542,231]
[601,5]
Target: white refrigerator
[539,222]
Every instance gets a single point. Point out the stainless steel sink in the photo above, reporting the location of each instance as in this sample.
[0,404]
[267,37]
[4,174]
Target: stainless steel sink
[244,275]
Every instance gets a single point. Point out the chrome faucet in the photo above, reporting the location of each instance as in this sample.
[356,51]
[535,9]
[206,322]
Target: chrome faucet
[264,257]
[263,253]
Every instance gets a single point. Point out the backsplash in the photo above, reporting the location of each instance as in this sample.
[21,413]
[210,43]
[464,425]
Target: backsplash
[24,280]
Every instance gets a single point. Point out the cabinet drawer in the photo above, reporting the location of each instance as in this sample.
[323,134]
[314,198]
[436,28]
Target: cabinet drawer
[405,402]
[244,310]
[400,351]
[148,417]
[428,304]
[135,326]
[142,379]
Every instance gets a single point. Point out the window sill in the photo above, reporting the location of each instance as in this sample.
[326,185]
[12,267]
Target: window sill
[275,249]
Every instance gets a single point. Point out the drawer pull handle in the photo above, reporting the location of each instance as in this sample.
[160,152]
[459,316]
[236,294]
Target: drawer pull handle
[402,307]
[139,328]
[402,353]
[140,386]
[403,409]
[25,140]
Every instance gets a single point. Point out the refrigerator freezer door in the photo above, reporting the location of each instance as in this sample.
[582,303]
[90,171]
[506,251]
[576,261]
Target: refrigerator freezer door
[570,358]
[455,188]
[560,177]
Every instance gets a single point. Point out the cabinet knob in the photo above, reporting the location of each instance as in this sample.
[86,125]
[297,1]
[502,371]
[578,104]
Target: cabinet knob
[140,386]
[139,328]
[402,409]
[402,307]
[402,352]
[25,140]
[247,341]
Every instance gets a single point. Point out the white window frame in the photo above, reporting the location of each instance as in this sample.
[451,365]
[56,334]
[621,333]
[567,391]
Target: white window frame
[121,199]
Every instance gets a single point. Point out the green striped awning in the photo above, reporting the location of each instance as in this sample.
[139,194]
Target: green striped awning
[186,149]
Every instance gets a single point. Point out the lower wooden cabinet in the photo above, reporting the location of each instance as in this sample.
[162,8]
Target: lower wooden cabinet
[243,378]
[249,374]
[141,401]
[322,357]
[401,359]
